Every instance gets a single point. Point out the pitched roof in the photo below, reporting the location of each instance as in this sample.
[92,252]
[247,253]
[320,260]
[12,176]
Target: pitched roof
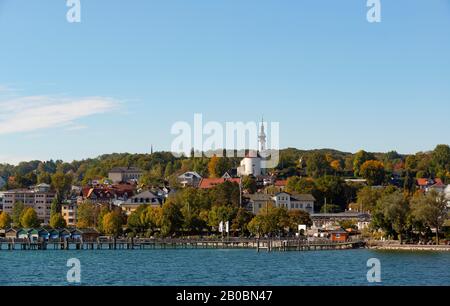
[208,183]
[260,197]
[302,197]
[280,183]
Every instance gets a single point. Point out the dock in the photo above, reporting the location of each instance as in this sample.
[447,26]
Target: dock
[268,245]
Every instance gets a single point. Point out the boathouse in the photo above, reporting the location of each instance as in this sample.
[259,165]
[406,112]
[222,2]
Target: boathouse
[339,236]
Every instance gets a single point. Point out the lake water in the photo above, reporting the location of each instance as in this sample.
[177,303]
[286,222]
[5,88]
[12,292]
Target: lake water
[223,267]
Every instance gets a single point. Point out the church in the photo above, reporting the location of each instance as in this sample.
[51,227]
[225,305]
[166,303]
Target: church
[252,163]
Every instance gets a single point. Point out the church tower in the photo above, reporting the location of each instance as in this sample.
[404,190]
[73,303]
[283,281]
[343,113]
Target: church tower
[262,138]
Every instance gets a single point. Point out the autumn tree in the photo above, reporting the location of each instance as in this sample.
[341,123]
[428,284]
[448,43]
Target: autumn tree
[112,223]
[359,159]
[5,220]
[373,171]
[86,215]
[62,183]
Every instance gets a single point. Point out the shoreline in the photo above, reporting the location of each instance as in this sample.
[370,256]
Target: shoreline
[408,247]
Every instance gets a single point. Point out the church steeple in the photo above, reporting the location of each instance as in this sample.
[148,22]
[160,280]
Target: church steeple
[262,137]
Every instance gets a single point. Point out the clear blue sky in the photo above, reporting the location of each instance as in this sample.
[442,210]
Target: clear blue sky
[117,81]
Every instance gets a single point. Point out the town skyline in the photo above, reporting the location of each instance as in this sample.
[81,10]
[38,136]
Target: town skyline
[118,81]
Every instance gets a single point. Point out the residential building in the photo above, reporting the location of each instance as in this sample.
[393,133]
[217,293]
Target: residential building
[124,174]
[190,178]
[260,201]
[327,220]
[40,199]
[143,198]
[427,184]
[69,213]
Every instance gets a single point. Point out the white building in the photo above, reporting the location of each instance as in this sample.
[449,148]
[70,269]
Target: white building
[305,202]
[252,163]
[250,166]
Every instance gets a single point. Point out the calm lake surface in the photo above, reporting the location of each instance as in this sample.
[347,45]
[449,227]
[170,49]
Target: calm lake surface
[223,267]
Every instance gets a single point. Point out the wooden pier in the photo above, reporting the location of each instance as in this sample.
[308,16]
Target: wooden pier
[142,244]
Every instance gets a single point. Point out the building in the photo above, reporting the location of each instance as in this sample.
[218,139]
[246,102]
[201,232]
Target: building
[327,220]
[190,178]
[252,162]
[143,198]
[250,165]
[69,213]
[339,235]
[428,184]
[40,199]
[259,201]
[124,174]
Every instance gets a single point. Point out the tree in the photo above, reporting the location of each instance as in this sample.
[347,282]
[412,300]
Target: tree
[56,207]
[29,218]
[360,158]
[441,158]
[171,218]
[299,217]
[104,210]
[57,221]
[212,167]
[368,198]
[373,172]
[86,215]
[240,222]
[112,223]
[317,165]
[62,184]
[431,209]
[249,184]
[395,209]
[5,220]
[18,208]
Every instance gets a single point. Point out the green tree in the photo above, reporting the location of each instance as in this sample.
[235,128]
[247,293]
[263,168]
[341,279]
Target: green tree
[368,198]
[171,218]
[57,221]
[441,158]
[317,165]
[241,220]
[29,218]
[18,208]
[396,211]
[431,209]
[62,183]
[5,220]
[86,215]
[373,172]
[249,184]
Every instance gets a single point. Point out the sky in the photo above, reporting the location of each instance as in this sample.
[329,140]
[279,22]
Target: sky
[118,80]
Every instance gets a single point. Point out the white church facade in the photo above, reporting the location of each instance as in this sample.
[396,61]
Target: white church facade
[252,163]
